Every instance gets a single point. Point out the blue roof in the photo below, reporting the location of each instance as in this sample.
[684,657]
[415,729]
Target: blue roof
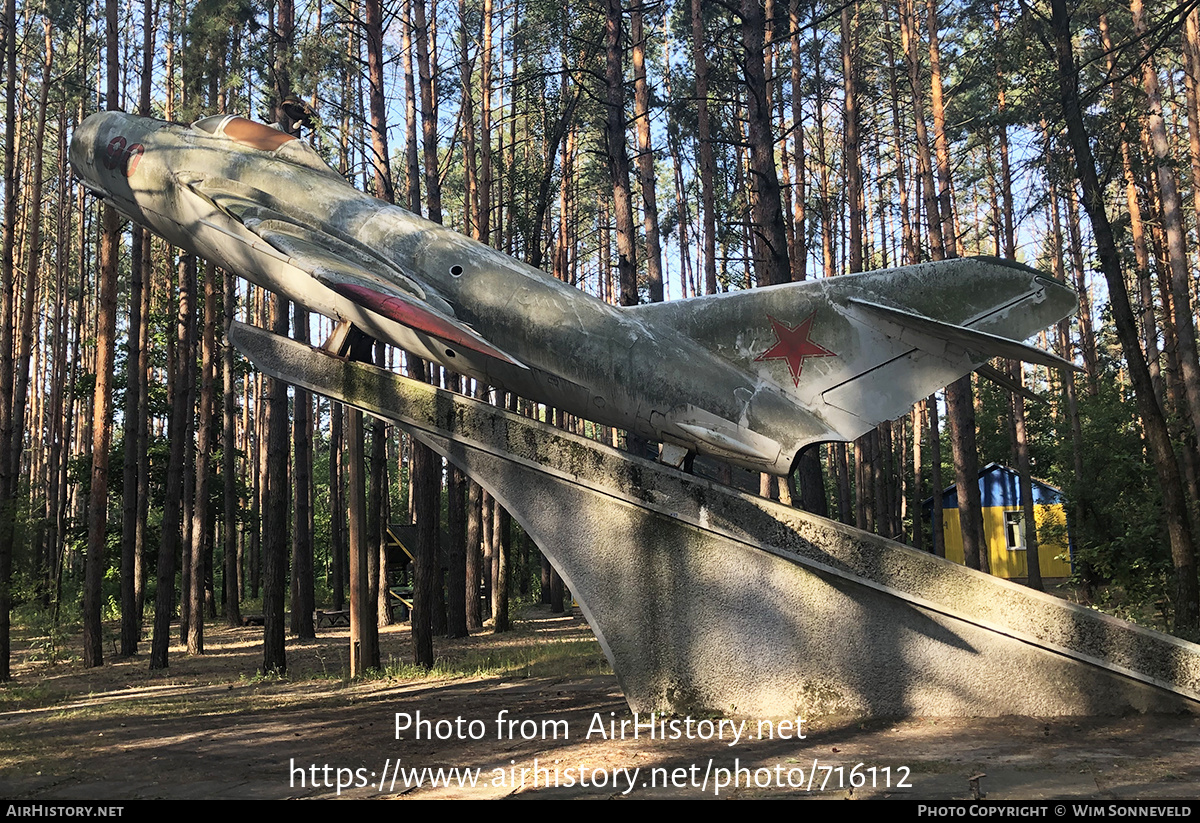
[1001,486]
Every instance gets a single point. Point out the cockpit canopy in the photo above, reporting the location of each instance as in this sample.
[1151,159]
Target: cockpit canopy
[264,138]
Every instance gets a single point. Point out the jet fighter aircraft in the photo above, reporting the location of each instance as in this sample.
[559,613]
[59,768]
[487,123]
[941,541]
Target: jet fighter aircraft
[751,377]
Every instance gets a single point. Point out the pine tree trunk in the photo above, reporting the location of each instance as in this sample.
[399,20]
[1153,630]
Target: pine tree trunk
[303,584]
[1172,221]
[412,176]
[233,592]
[645,157]
[106,330]
[938,517]
[201,522]
[618,156]
[908,23]
[911,250]
[425,72]
[708,166]
[188,375]
[501,560]
[337,502]
[476,578]
[826,209]
[426,488]
[456,521]
[467,117]
[32,276]
[363,640]
[380,154]
[852,163]
[164,601]
[7,267]
[1187,597]
[941,142]
[275,516]
[376,510]
[800,256]
[485,128]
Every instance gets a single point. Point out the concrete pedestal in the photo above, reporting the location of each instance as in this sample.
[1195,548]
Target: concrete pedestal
[706,599]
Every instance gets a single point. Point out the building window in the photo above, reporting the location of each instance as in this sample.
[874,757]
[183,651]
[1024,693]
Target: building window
[1014,531]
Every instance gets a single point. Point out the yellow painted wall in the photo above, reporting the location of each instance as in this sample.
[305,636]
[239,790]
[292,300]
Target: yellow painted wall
[1050,519]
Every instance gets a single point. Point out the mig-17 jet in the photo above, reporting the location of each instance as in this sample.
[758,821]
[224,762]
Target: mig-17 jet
[751,377]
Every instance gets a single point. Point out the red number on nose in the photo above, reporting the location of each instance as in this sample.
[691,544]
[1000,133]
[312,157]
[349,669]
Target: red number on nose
[132,156]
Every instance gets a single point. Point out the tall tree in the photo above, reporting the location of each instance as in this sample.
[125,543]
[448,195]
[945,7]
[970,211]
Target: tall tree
[275,515]
[364,640]
[275,512]
[1172,223]
[615,149]
[704,137]
[170,541]
[136,493]
[645,155]
[426,466]
[7,268]
[232,569]
[201,521]
[93,648]
[303,583]
[768,211]
[1187,591]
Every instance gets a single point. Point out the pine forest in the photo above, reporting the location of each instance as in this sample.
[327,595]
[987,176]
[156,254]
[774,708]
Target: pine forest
[151,480]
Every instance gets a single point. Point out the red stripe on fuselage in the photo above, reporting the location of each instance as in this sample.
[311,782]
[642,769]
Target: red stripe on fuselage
[417,318]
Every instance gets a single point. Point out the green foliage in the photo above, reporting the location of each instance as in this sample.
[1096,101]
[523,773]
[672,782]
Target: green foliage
[211,26]
[49,633]
[994,430]
[110,592]
[1118,538]
[1115,508]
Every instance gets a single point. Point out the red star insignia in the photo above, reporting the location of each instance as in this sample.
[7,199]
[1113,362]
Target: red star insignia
[794,344]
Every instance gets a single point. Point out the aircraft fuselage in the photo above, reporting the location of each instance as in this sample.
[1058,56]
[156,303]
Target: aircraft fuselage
[750,382]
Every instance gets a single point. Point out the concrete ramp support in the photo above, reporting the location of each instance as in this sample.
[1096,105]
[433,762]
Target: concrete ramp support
[706,599]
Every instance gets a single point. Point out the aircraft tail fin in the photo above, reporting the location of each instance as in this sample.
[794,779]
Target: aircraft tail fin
[860,349]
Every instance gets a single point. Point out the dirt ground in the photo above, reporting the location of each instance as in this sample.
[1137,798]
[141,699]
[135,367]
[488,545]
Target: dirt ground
[533,721]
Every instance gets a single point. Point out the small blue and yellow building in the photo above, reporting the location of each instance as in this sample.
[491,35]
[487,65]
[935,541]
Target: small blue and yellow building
[1004,524]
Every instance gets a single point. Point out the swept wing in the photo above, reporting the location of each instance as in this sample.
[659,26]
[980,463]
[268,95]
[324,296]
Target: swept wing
[368,280]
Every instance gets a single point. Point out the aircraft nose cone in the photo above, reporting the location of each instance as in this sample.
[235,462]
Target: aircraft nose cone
[89,143]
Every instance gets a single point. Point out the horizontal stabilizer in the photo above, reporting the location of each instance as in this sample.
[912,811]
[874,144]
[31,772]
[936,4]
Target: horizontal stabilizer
[1001,379]
[931,335]
[857,349]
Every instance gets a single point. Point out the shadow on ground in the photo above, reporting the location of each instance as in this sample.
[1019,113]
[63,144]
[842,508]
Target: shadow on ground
[531,714]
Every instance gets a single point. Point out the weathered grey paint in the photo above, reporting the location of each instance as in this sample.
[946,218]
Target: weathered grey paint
[707,599]
[751,377]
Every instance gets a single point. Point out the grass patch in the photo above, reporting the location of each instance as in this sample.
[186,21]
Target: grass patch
[47,640]
[529,657]
[228,678]
[15,696]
